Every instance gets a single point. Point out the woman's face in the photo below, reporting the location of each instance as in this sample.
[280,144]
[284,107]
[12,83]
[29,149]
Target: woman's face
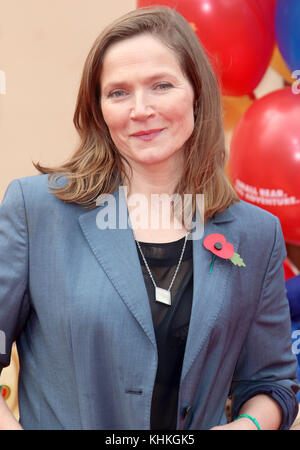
[146,100]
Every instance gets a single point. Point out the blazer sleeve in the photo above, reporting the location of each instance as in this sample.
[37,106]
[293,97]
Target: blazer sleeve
[14,298]
[266,363]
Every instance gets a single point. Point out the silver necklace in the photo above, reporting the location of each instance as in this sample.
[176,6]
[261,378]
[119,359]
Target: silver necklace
[163,295]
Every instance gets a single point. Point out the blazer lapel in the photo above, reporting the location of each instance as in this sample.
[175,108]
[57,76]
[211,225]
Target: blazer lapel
[209,289]
[116,252]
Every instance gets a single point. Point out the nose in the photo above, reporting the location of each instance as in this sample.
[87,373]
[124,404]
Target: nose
[141,108]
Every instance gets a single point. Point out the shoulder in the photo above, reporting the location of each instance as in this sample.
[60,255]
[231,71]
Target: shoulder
[243,217]
[254,226]
[245,212]
[19,187]
[39,183]
[36,188]
[36,195]
[33,197]
[257,228]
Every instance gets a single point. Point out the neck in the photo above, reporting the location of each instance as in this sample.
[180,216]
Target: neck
[159,183]
[160,178]
[147,213]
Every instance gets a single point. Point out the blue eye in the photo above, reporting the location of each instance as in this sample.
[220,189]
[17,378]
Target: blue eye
[163,86]
[116,94]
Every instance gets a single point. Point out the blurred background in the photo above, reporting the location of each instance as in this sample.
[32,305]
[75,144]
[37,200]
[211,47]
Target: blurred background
[254,48]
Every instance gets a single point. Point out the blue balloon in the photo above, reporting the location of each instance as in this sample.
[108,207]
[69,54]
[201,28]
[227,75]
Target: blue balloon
[287,27]
[293,296]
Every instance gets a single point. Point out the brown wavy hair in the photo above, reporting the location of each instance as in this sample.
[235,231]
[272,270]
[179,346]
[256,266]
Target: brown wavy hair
[97,166]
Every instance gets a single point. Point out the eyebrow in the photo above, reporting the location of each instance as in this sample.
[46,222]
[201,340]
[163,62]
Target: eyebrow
[114,84]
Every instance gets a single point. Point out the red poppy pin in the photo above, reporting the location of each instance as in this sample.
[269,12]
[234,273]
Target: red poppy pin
[218,245]
[5,391]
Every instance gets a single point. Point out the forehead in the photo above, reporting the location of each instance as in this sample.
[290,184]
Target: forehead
[139,54]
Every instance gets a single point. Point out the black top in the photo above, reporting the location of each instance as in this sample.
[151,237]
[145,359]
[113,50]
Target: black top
[171,323]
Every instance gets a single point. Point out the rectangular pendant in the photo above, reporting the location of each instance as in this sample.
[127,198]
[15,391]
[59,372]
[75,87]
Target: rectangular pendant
[163,296]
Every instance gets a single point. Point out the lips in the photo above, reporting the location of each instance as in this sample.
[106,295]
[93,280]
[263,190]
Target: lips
[148,135]
[147,132]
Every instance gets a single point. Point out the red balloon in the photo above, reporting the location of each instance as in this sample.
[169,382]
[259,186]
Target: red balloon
[238,36]
[290,270]
[264,160]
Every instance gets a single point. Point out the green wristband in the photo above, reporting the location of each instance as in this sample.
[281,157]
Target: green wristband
[251,418]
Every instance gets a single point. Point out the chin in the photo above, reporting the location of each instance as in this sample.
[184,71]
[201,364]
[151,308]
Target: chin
[153,161]
[157,157]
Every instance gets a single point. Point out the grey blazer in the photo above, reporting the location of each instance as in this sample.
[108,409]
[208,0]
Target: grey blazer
[74,298]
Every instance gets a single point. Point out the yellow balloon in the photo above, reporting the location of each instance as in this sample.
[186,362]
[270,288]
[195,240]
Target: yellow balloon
[278,64]
[233,109]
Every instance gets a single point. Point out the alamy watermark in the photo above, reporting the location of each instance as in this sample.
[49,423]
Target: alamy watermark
[2,83]
[2,343]
[296,343]
[296,84]
[160,211]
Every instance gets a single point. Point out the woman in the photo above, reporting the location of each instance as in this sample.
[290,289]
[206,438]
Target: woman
[135,324]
